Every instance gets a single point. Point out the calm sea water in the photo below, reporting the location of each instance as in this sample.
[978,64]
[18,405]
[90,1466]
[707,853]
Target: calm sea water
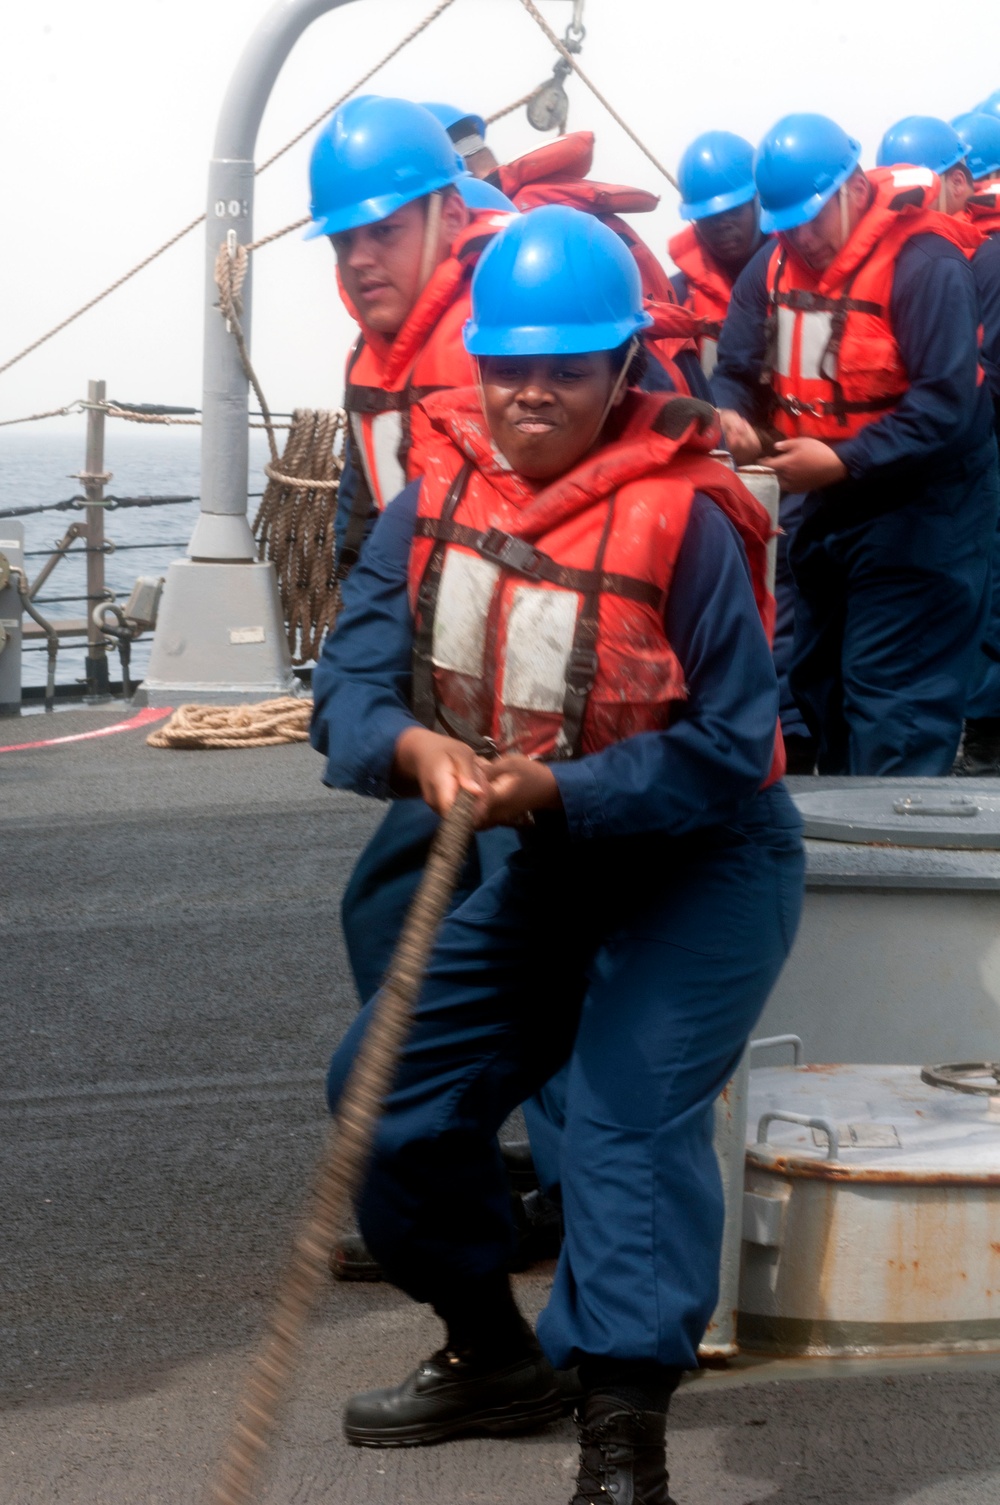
[36,465]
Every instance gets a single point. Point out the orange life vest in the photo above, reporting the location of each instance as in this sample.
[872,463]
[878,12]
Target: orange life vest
[984,208]
[538,613]
[385,378]
[557,174]
[709,290]
[834,363]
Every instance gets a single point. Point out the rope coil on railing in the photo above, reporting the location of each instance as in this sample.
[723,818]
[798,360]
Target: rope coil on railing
[295,528]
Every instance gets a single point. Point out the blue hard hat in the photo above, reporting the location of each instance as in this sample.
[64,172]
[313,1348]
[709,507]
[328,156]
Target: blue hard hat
[798,167]
[555,281]
[715,174]
[990,105]
[450,116]
[373,156]
[980,135]
[921,141]
[478,194]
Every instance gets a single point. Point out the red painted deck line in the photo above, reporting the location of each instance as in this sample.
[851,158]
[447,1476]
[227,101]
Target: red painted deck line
[141,718]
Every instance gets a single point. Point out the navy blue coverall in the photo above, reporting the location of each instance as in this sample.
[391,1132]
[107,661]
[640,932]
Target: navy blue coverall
[385,878]
[635,934]
[892,565]
[984,698]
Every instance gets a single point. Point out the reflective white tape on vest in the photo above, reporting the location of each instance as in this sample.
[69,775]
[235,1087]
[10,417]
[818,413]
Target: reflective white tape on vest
[540,631]
[386,438]
[912,177]
[786,331]
[709,354]
[817,332]
[463,607]
[378,450]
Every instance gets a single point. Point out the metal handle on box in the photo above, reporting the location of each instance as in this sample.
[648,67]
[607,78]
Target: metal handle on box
[793,1040]
[823,1124]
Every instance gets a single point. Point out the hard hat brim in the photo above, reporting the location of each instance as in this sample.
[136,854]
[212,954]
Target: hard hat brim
[478,194]
[789,218]
[718,204]
[555,339]
[944,167]
[370,211]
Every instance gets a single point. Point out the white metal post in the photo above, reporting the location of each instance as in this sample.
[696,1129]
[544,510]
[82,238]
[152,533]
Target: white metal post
[220,634]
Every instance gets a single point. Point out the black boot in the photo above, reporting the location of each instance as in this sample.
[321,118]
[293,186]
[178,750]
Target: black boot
[519,1163]
[800,754]
[351,1259]
[623,1454]
[539,1224]
[980,755]
[490,1377]
[454,1395]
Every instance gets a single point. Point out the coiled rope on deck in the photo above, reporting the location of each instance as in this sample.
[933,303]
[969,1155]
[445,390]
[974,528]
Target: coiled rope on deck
[342,1165]
[266,724]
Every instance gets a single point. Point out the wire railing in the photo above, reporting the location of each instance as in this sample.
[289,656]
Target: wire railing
[66,639]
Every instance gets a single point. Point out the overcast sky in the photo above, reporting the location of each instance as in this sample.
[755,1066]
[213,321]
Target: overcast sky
[108,108]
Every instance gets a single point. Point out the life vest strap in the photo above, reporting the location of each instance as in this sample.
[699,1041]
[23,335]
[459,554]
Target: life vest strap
[368,401]
[423,697]
[835,407]
[804,301]
[515,554]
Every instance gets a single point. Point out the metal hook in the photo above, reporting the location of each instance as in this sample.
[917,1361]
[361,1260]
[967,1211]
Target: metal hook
[575,31]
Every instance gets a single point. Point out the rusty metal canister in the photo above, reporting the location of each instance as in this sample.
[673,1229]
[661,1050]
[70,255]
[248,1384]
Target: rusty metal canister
[871,1218]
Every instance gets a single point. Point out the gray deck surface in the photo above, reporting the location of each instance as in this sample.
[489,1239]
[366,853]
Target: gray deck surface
[172,980]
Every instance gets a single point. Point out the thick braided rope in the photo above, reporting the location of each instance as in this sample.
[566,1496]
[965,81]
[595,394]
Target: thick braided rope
[267,724]
[509,109]
[342,1165]
[295,527]
[231,267]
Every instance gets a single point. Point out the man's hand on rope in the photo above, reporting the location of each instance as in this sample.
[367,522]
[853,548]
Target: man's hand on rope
[439,767]
[518,787]
[742,440]
[806,464]
[506,790]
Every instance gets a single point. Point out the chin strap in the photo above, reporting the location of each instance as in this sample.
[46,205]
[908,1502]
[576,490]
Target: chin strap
[618,387]
[432,235]
[845,215]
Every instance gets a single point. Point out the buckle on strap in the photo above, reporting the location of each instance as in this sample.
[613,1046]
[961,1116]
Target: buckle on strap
[510,552]
[581,671]
[798,409]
